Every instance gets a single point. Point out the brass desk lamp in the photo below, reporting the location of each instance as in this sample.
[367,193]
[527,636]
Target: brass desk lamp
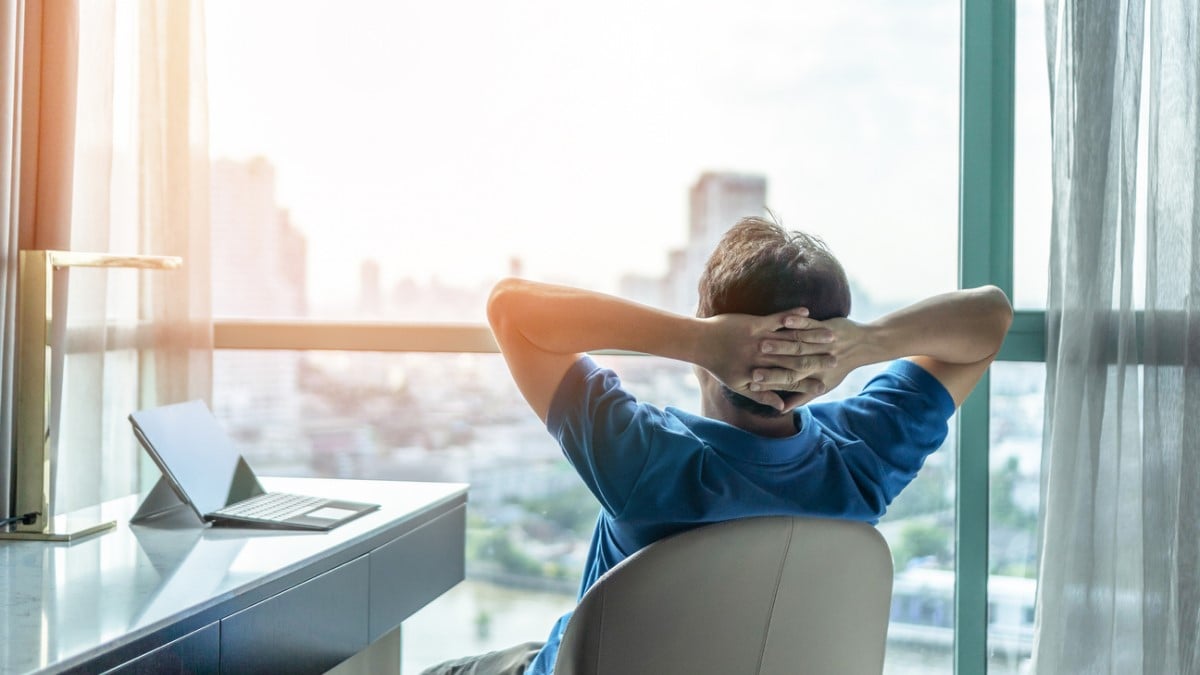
[33,457]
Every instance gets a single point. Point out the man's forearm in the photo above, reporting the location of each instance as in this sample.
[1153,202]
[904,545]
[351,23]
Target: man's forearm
[538,325]
[959,327]
[565,320]
[954,336]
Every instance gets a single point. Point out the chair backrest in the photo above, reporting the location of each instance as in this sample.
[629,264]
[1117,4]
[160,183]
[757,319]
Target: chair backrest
[760,596]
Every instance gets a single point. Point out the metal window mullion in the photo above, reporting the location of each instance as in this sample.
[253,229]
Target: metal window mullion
[985,257]
[1026,340]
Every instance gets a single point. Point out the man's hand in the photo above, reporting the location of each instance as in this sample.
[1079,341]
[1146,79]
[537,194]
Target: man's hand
[784,349]
[953,336]
[846,340]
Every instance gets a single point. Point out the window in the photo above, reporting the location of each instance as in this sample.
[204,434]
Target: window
[1032,189]
[440,147]
[459,417]
[1017,410]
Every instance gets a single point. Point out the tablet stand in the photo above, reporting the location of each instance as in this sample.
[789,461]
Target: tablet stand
[161,501]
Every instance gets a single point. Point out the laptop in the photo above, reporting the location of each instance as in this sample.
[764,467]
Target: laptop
[205,471]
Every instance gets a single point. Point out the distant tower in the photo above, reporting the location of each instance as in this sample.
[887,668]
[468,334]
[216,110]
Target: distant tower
[680,290]
[293,249]
[515,267]
[647,290]
[259,267]
[370,289]
[718,200]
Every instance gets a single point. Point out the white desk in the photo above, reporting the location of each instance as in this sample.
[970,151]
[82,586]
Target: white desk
[215,599]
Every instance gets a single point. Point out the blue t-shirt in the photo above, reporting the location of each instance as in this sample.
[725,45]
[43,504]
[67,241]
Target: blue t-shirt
[658,472]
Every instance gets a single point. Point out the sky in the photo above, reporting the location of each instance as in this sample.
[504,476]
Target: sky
[444,138]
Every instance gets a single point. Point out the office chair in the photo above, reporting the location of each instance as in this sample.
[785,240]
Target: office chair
[759,596]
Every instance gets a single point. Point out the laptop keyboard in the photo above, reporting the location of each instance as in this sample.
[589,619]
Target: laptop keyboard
[275,506]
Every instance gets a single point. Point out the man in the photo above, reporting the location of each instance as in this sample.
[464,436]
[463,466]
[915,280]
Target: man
[771,334]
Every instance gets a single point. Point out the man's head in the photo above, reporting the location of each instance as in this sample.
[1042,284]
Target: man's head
[760,268]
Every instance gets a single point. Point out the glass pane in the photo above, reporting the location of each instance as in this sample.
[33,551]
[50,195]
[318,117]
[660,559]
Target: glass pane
[430,148]
[97,455]
[455,143]
[1017,408]
[1032,189]
[458,417]
[919,528]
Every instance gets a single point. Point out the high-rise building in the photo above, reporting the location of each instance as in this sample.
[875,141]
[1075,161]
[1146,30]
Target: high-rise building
[679,289]
[293,261]
[259,259]
[370,289]
[259,266]
[647,290]
[718,200]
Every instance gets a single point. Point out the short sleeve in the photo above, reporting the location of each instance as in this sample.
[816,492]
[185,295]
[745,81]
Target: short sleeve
[899,418]
[605,433]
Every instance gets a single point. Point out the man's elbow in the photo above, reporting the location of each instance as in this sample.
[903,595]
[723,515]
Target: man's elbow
[501,305]
[998,314]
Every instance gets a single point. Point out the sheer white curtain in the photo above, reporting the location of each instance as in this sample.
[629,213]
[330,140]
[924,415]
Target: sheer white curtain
[121,167]
[1118,584]
[134,339]
[1171,527]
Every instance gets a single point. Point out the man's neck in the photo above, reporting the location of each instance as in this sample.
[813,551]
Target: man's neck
[770,427]
[775,427]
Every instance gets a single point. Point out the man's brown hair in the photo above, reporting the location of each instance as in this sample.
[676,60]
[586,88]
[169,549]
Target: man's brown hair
[760,268]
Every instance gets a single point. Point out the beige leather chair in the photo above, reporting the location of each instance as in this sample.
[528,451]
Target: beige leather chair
[760,596]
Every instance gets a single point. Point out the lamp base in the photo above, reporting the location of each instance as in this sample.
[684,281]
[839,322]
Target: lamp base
[67,527]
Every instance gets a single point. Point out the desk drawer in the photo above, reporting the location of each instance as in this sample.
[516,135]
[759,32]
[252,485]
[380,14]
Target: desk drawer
[409,572]
[307,629]
[197,652]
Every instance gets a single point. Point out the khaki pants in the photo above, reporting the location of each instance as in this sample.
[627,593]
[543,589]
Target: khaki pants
[511,661]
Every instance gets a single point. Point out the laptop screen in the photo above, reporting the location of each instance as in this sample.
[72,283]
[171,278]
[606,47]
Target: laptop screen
[188,442]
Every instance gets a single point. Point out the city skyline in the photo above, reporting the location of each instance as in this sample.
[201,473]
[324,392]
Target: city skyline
[266,274]
[444,142]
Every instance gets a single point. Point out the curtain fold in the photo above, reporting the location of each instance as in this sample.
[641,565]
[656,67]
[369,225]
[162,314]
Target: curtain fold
[1171,633]
[1117,589]
[140,184]
[38,88]
[103,110]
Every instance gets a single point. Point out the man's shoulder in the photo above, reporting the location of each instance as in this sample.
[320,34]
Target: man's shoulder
[907,380]
[901,377]
[897,406]
[591,394]
[582,382]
